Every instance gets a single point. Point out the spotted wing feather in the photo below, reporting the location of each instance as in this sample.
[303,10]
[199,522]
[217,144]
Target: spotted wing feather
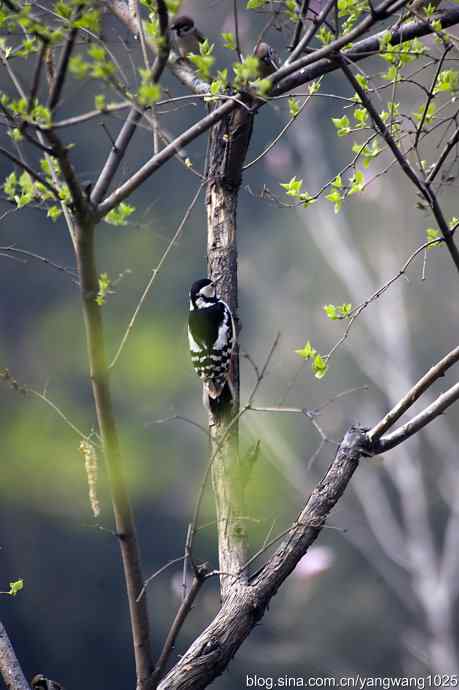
[212,337]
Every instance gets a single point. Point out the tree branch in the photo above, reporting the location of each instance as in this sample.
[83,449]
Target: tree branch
[124,520]
[302,75]
[200,575]
[118,151]
[244,606]
[162,157]
[403,161]
[59,79]
[410,398]
[430,413]
[314,65]
[10,669]
[36,176]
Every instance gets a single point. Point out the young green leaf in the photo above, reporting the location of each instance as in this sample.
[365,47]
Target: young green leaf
[319,366]
[307,352]
[16,587]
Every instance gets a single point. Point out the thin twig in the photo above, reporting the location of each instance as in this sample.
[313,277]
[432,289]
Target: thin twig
[36,176]
[61,73]
[299,25]
[236,30]
[43,259]
[200,577]
[155,574]
[154,273]
[423,188]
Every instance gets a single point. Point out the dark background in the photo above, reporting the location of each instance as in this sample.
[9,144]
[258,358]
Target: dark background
[351,608]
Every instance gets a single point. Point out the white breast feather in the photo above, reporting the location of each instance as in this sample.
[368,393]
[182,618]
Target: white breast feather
[194,347]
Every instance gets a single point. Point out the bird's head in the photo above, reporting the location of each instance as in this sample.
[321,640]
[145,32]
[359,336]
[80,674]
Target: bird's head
[266,55]
[183,25]
[202,294]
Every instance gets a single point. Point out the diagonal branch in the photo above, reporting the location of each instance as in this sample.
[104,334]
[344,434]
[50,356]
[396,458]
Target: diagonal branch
[119,149]
[424,383]
[61,73]
[36,176]
[199,578]
[168,152]
[321,62]
[403,161]
[10,669]
[244,606]
[315,65]
[427,415]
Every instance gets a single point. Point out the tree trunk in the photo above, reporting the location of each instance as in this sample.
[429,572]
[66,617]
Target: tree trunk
[228,145]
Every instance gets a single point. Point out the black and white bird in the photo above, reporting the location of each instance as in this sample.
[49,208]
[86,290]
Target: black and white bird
[212,339]
[187,36]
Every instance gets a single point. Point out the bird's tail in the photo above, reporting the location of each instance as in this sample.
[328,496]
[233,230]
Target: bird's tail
[219,402]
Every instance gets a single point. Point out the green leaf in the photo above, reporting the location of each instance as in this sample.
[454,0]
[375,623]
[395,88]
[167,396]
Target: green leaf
[148,93]
[428,115]
[307,352]
[16,587]
[324,35]
[89,20]
[336,198]
[448,81]
[342,124]
[306,199]
[246,71]
[293,107]
[319,366]
[361,116]
[431,235]
[79,67]
[203,63]
[392,74]
[367,152]
[100,102]
[10,184]
[357,182]
[330,311]
[229,40]
[263,86]
[54,212]
[255,4]
[362,80]
[120,214]
[292,188]
[314,87]
[104,284]
[15,134]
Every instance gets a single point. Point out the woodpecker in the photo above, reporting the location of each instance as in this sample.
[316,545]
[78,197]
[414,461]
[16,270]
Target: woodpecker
[268,60]
[39,682]
[212,338]
[187,36]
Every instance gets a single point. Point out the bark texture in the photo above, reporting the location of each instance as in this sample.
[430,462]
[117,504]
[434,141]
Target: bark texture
[10,669]
[245,605]
[228,144]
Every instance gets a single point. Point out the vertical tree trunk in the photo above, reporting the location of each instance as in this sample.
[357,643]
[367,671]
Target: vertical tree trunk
[228,145]
[124,520]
